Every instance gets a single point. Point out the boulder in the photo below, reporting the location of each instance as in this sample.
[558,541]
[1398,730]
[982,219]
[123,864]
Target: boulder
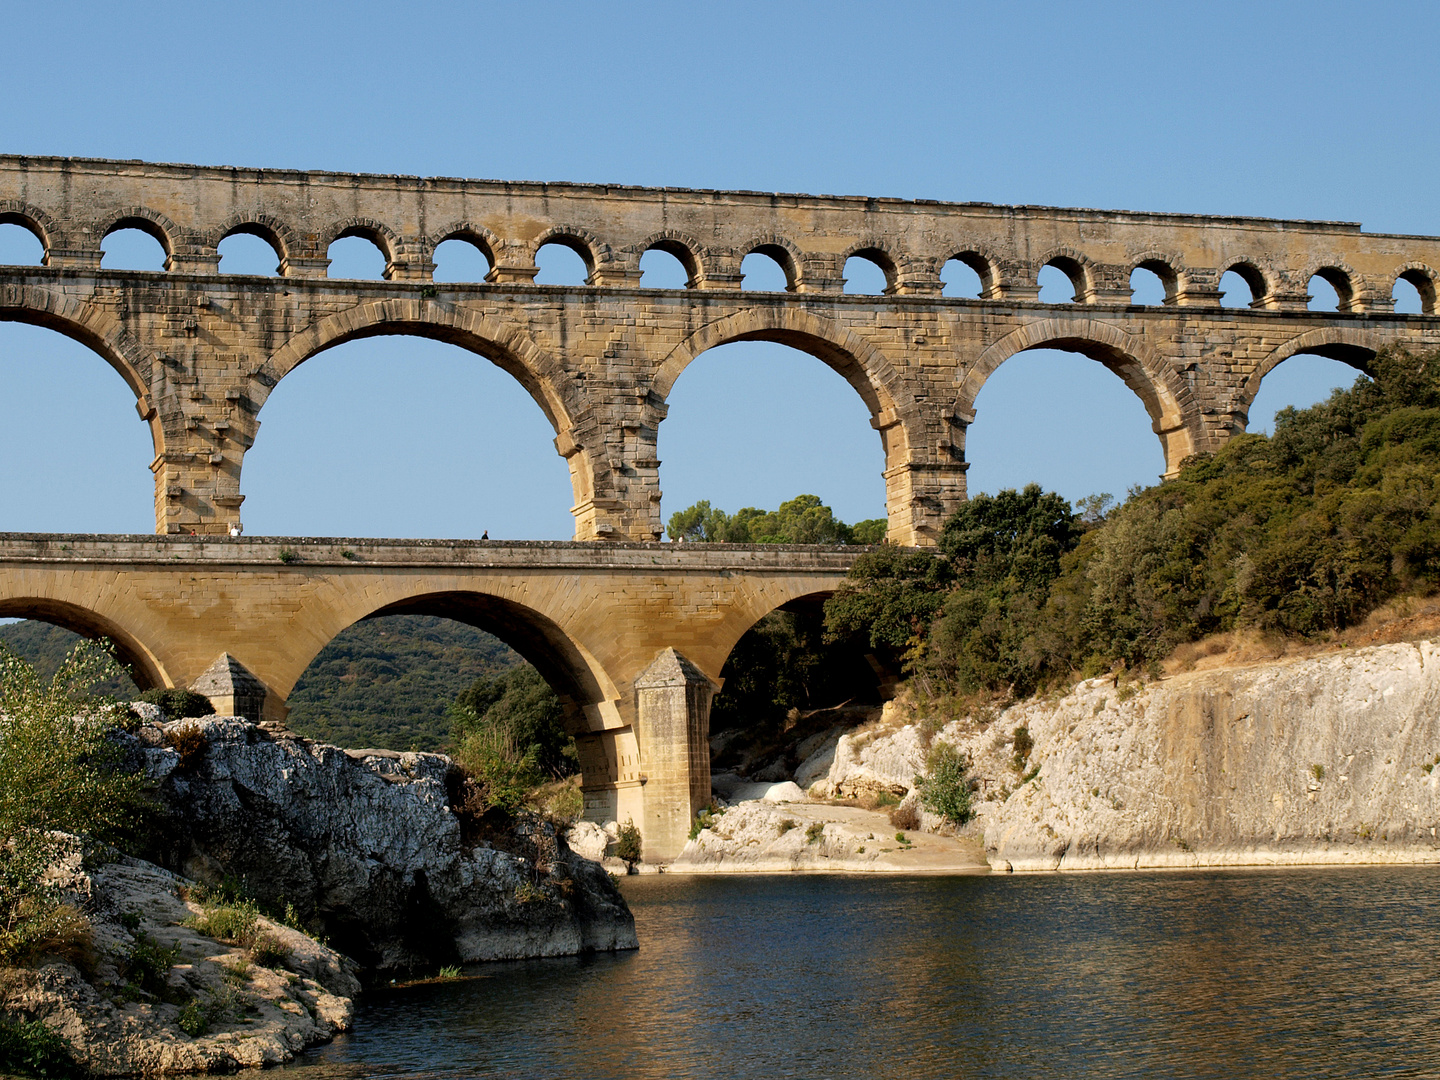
[588,840]
[369,849]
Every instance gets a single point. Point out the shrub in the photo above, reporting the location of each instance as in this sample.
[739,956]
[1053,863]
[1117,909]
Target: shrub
[189,742]
[32,1049]
[704,820]
[946,787]
[192,1019]
[517,705]
[59,773]
[1022,745]
[628,847]
[905,816]
[501,773]
[814,833]
[785,825]
[148,966]
[269,951]
[1317,771]
[231,923]
[567,804]
[178,703]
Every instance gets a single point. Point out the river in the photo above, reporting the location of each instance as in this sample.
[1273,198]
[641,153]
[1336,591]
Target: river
[1225,974]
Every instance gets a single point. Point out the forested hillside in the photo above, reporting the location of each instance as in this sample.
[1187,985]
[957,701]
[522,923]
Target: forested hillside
[1301,535]
[389,682]
[381,683]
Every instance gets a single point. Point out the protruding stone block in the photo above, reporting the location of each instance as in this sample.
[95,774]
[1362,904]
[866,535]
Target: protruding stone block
[231,688]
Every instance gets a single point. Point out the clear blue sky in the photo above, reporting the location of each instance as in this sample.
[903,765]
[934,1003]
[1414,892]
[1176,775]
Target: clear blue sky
[1320,110]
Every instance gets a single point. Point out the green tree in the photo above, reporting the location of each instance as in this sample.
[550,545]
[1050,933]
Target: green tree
[519,706]
[1005,551]
[889,598]
[802,520]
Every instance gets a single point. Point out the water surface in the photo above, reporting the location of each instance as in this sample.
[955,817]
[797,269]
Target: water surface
[1217,974]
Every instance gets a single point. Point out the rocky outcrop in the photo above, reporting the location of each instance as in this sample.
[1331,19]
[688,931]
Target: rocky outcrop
[243,1013]
[368,847]
[1334,759]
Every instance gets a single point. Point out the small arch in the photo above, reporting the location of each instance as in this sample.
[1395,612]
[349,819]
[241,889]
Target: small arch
[1340,280]
[145,668]
[150,222]
[20,245]
[126,244]
[1422,279]
[1158,283]
[485,243]
[1254,280]
[684,249]
[273,231]
[779,251]
[1075,267]
[982,265]
[862,261]
[354,257]
[31,219]
[460,258]
[253,251]
[659,269]
[588,247]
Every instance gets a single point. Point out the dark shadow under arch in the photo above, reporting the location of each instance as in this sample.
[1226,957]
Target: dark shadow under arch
[534,636]
[144,668]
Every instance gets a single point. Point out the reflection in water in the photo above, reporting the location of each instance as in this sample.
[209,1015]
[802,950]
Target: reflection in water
[1295,973]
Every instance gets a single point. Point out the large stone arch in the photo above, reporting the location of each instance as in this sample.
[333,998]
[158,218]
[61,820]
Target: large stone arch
[893,409]
[1167,398]
[506,609]
[506,346]
[862,365]
[1347,344]
[130,648]
[98,331]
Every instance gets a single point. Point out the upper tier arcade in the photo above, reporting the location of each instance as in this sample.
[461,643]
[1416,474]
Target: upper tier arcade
[202,350]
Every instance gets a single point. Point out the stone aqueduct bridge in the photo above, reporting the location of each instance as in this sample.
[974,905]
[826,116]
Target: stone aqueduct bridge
[202,351]
[632,636]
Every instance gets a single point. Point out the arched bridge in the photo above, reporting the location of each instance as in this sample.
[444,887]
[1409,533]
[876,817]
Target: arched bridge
[632,633]
[202,350]
[632,636]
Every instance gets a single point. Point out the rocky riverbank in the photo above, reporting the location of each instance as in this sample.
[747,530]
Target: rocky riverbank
[373,849]
[1325,759]
[172,968]
[147,988]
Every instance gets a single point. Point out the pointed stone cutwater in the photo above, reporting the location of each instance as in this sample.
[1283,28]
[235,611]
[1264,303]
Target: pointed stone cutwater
[231,688]
[672,698]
